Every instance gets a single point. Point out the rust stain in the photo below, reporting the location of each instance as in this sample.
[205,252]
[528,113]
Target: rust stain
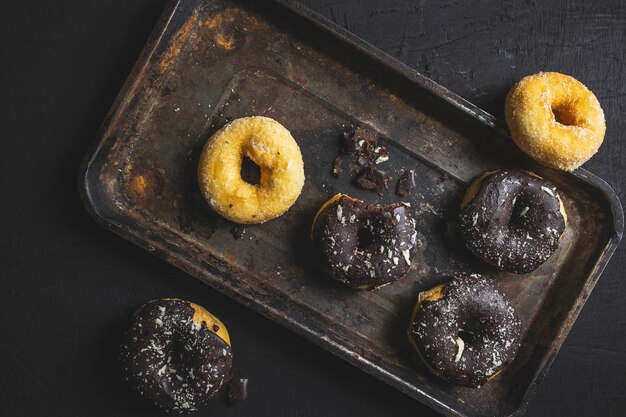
[297,74]
[225,31]
[212,21]
[177,43]
[143,182]
[230,257]
[395,99]
[227,41]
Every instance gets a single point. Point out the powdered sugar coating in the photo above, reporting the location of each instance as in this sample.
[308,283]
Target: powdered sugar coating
[272,148]
[555,119]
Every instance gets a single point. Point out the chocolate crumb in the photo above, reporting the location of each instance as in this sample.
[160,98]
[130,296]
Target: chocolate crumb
[362,160]
[216,328]
[349,144]
[238,231]
[366,181]
[373,179]
[363,144]
[444,177]
[406,184]
[238,390]
[337,170]
[362,138]
[383,155]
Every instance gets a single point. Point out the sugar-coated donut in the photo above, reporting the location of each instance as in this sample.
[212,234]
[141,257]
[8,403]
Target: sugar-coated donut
[465,331]
[555,119]
[512,219]
[364,245]
[176,354]
[269,145]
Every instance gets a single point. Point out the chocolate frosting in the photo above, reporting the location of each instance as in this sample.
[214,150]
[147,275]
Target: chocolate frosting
[475,311]
[514,222]
[365,245]
[238,390]
[172,360]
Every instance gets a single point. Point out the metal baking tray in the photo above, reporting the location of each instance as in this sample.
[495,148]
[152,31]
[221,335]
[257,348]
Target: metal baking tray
[208,62]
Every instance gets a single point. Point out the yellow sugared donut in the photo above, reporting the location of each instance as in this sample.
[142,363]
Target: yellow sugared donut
[555,119]
[269,145]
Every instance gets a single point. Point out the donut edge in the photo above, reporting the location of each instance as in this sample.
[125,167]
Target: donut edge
[528,143]
[203,162]
[436,293]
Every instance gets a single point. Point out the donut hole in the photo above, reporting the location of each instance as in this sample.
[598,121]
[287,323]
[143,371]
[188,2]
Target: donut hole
[468,335]
[250,171]
[365,238]
[521,211]
[473,328]
[565,114]
[181,354]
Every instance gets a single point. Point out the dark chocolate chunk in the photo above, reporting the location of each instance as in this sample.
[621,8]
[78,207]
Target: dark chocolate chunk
[337,170]
[365,181]
[372,178]
[362,140]
[349,144]
[362,160]
[363,143]
[238,231]
[238,390]
[381,155]
[406,184]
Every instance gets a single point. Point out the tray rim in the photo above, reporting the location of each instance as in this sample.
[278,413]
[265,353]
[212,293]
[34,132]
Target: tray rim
[419,80]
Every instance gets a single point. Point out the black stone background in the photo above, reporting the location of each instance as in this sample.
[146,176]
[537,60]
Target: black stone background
[67,286]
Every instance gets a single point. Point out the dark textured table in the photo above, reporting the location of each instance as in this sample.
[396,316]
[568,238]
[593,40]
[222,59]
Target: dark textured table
[67,287]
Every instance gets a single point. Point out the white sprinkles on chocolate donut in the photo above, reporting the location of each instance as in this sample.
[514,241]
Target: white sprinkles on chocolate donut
[469,334]
[514,221]
[171,359]
[379,256]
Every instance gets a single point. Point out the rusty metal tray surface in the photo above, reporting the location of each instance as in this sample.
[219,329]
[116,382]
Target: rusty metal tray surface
[210,61]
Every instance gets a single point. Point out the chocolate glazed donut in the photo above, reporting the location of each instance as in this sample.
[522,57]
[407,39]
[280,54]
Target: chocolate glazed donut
[512,220]
[364,245]
[465,331]
[176,354]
